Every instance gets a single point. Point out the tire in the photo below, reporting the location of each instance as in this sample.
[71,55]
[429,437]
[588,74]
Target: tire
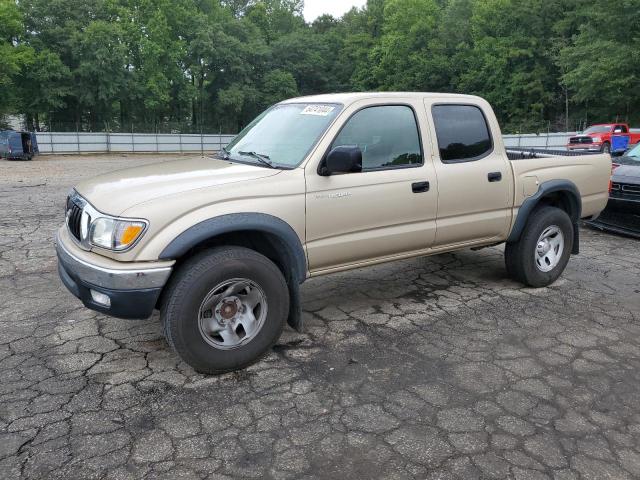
[231,279]
[532,267]
[606,147]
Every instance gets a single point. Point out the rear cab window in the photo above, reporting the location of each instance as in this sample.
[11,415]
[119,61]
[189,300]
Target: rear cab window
[462,133]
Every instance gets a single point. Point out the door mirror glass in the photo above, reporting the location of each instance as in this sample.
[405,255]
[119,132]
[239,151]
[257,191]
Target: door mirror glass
[343,159]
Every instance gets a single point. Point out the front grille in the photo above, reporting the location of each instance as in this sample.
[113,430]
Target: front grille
[74,217]
[575,140]
[625,189]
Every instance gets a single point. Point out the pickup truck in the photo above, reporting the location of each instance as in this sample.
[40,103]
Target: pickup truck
[598,138]
[622,214]
[313,186]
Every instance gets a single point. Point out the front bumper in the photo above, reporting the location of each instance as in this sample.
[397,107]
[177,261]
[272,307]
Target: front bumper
[588,147]
[133,293]
[619,217]
[624,204]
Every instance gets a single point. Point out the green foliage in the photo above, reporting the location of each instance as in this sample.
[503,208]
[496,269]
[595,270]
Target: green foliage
[13,56]
[602,64]
[215,64]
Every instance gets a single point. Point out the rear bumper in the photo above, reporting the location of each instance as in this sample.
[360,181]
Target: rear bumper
[132,293]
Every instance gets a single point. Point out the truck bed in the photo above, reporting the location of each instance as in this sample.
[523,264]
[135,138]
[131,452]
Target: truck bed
[587,171]
[516,153]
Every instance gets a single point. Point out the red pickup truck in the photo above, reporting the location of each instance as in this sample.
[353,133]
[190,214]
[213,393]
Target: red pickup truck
[597,138]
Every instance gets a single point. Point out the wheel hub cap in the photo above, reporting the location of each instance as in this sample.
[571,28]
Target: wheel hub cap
[544,247]
[549,249]
[232,314]
[228,309]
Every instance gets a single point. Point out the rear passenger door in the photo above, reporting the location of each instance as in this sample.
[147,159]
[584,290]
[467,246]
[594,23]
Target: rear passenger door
[474,175]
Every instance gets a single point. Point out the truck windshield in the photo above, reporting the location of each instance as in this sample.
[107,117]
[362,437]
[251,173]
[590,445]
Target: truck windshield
[597,129]
[283,135]
[634,153]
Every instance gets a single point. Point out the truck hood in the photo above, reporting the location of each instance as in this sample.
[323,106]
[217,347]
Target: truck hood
[115,192]
[627,174]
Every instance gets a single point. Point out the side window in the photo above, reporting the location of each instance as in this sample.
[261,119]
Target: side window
[463,133]
[387,135]
[620,129]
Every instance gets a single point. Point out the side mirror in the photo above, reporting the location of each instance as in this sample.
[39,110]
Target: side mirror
[343,159]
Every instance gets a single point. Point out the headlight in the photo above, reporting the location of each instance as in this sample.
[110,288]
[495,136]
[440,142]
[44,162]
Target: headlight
[596,139]
[94,228]
[115,234]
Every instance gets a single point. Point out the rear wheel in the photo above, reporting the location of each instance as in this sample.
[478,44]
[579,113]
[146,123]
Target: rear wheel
[224,309]
[544,248]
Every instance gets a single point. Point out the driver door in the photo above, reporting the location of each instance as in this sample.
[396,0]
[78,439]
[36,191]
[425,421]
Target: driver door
[389,208]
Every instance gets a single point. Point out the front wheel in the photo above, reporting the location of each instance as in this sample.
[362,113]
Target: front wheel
[544,248]
[224,309]
[606,147]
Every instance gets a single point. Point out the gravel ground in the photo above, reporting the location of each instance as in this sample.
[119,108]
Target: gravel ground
[426,368]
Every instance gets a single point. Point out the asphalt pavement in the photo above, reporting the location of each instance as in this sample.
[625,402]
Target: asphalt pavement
[430,368]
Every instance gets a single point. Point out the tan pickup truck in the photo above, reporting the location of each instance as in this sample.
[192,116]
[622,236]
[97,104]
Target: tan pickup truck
[316,185]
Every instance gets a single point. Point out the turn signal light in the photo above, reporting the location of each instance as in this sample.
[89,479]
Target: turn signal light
[130,233]
[613,168]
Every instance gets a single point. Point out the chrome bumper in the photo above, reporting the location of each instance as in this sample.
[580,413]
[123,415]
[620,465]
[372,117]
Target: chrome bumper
[116,279]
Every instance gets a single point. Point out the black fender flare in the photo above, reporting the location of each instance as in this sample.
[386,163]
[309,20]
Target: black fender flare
[572,193]
[242,222]
[288,240]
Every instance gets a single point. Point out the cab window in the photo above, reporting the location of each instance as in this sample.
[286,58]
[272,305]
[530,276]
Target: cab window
[462,132]
[387,136]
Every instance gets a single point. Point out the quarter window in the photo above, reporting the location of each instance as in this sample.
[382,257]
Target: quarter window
[463,133]
[387,135]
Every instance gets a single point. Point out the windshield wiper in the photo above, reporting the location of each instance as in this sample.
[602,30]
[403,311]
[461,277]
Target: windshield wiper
[224,154]
[264,159]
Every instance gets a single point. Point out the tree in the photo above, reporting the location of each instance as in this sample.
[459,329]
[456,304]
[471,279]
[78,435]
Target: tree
[407,57]
[511,60]
[602,64]
[209,64]
[13,57]
[43,86]
[277,85]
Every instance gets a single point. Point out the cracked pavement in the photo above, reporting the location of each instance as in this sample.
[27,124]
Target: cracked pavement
[429,368]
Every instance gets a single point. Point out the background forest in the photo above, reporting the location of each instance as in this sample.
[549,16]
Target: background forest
[212,65]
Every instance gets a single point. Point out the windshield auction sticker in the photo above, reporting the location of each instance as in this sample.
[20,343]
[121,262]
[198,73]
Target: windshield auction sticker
[319,110]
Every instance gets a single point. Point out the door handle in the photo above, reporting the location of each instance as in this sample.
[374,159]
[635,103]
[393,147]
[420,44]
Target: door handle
[495,176]
[420,187]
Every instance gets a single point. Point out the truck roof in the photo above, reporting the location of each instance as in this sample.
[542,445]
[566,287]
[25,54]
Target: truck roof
[347,98]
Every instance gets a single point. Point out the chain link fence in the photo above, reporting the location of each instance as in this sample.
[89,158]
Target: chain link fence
[174,128]
[83,142]
[141,142]
[542,141]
